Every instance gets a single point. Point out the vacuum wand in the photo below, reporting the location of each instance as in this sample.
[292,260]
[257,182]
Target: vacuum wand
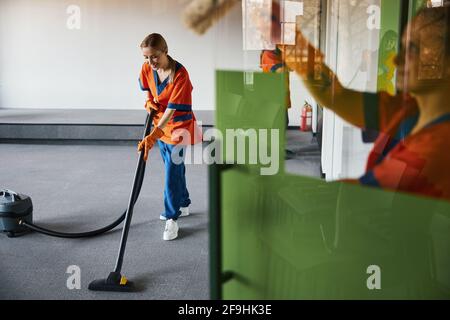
[115,281]
[137,176]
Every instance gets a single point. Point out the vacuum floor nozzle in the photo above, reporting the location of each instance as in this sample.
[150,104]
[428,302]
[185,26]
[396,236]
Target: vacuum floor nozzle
[115,282]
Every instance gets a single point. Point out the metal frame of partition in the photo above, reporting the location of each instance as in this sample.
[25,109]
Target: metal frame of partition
[217,276]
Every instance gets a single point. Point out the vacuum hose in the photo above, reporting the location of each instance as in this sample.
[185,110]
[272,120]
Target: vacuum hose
[93,233]
[88,234]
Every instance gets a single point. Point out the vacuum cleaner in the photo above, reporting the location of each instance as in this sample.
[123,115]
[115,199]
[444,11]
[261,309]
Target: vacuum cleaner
[16,219]
[14,208]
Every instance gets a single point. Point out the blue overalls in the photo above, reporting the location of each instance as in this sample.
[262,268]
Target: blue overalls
[176,194]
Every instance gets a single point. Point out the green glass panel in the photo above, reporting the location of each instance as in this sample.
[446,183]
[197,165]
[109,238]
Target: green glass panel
[252,115]
[292,237]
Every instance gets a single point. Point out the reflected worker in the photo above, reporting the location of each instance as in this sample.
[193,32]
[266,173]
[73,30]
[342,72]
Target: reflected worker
[412,152]
[271,61]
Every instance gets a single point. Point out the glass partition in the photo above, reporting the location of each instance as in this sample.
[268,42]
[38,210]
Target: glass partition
[373,228]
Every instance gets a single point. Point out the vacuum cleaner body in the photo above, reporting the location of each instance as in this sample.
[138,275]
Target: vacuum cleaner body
[14,208]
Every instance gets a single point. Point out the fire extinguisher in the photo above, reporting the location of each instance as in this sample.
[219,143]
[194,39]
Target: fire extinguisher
[306,117]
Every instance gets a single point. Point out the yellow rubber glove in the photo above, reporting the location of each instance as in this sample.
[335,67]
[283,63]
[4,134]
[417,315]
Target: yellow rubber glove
[149,141]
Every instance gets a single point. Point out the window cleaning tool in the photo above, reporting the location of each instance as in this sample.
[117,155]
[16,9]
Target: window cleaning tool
[200,15]
[115,280]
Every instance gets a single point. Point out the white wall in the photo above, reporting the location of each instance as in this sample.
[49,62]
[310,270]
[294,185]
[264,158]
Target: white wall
[43,64]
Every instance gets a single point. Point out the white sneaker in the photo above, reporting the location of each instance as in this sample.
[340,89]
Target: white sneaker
[171,230]
[184,213]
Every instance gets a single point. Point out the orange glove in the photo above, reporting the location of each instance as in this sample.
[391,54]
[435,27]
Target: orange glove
[150,105]
[149,141]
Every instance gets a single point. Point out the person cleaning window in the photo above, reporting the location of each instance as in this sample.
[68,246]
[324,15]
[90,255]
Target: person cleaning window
[271,61]
[412,151]
[169,92]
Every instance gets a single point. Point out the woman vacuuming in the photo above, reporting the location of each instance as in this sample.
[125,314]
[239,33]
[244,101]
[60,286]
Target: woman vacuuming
[169,93]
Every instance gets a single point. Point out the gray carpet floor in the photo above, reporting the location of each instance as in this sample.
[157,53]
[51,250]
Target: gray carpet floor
[304,154]
[76,188]
[81,187]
